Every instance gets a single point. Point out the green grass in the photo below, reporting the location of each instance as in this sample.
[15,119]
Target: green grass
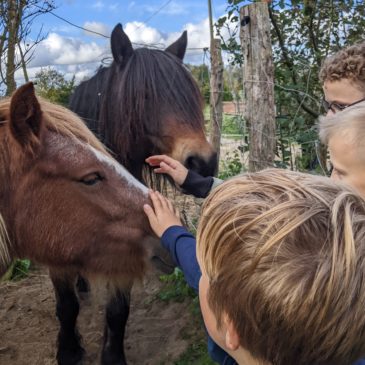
[19,269]
[177,290]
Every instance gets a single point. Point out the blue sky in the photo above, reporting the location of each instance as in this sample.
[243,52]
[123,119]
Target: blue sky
[159,22]
[170,18]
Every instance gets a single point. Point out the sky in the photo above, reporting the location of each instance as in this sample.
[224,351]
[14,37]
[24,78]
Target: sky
[74,51]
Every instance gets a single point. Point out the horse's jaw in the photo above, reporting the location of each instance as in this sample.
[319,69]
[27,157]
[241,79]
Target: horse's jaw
[157,256]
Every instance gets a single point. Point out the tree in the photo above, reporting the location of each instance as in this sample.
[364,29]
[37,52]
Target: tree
[16,48]
[303,34]
[52,85]
[201,76]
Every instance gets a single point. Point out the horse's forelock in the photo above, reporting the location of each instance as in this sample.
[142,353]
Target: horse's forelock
[153,85]
[163,78]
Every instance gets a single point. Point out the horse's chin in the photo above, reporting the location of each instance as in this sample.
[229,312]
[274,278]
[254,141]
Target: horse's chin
[157,257]
[161,265]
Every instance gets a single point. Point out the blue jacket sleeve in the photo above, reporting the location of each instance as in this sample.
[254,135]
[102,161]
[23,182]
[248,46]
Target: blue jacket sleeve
[182,247]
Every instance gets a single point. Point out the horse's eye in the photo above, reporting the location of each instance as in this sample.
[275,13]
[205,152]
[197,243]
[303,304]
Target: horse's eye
[91,179]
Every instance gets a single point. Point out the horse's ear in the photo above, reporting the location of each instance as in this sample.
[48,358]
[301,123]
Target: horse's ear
[178,48]
[121,46]
[26,117]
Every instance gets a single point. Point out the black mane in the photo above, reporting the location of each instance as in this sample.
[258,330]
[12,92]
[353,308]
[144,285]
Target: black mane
[132,103]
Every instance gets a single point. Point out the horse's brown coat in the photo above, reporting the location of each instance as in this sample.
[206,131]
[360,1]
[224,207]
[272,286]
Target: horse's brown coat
[51,215]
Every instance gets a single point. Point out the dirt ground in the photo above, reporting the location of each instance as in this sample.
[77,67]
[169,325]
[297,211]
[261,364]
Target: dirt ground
[28,325]
[155,332]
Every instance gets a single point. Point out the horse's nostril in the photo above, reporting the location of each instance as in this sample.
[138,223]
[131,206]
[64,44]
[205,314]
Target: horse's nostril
[193,163]
[202,166]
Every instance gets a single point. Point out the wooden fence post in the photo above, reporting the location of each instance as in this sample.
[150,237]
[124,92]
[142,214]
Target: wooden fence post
[216,96]
[258,84]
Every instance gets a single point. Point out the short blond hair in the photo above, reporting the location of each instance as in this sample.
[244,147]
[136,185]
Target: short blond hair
[349,123]
[348,63]
[285,256]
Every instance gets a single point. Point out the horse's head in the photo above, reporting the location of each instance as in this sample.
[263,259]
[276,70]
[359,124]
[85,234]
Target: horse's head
[152,105]
[64,200]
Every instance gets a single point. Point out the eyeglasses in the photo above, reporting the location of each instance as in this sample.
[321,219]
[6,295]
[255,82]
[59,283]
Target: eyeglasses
[335,107]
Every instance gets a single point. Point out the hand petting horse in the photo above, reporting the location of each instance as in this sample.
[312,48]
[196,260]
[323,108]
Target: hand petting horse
[66,203]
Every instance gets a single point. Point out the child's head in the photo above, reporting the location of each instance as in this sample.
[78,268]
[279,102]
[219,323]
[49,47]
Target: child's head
[344,133]
[343,77]
[283,260]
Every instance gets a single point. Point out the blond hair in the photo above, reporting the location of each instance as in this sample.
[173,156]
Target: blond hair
[350,124]
[285,256]
[348,63]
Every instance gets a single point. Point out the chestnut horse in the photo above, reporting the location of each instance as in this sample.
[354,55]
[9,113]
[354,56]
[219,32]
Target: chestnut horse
[145,103]
[66,203]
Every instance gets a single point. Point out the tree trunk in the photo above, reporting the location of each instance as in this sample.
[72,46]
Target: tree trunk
[258,85]
[24,64]
[216,96]
[12,41]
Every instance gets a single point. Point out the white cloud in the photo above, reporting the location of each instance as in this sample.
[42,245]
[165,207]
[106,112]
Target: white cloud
[81,72]
[73,56]
[96,27]
[58,50]
[141,33]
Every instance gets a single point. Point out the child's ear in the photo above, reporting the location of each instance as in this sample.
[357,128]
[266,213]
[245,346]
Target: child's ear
[232,339]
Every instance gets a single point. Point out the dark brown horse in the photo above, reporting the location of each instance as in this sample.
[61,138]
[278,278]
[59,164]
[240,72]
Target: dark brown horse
[66,203]
[145,103]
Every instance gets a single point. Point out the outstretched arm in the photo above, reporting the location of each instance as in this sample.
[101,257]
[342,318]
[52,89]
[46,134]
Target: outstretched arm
[190,181]
[166,165]
[181,244]
[162,215]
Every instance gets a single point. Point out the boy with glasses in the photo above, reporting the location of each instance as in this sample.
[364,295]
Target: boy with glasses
[343,78]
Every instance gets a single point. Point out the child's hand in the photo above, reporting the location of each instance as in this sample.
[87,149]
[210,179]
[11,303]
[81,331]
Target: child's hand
[162,215]
[169,166]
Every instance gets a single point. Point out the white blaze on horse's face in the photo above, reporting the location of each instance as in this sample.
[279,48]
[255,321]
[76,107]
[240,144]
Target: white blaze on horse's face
[119,169]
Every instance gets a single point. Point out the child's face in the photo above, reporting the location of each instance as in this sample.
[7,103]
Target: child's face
[342,92]
[218,335]
[348,163]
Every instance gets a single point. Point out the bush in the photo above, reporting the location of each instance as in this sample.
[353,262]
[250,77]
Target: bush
[232,165]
